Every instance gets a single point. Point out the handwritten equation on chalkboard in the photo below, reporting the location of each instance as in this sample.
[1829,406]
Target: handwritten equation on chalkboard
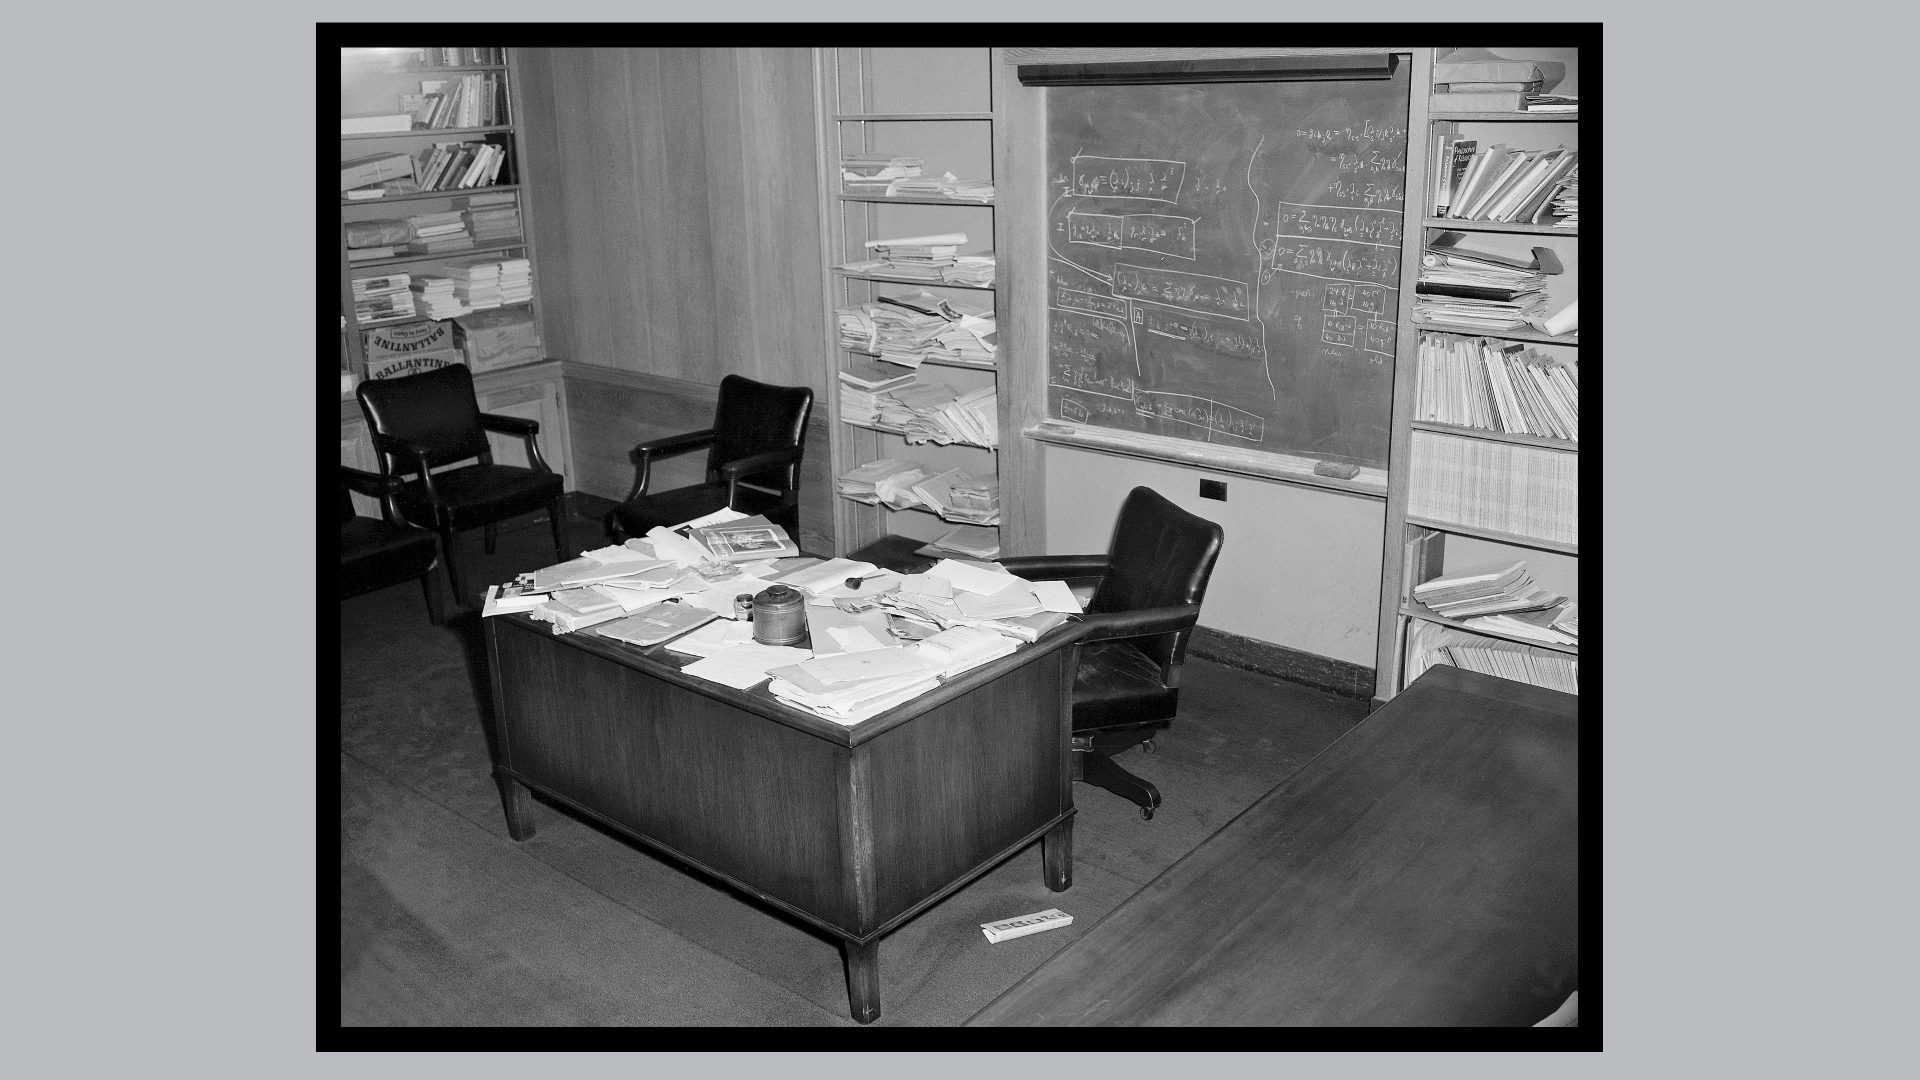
[1224,262]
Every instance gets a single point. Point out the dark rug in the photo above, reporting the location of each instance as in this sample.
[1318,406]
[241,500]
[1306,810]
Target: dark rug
[445,921]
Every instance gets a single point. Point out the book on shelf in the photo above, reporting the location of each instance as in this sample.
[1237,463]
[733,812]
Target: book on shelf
[1473,64]
[1456,154]
[373,168]
[1536,625]
[1493,101]
[382,124]
[1526,491]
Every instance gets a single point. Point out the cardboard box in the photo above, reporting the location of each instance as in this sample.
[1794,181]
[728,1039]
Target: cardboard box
[501,337]
[407,348]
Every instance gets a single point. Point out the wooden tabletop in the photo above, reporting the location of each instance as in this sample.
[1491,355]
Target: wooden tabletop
[1423,870]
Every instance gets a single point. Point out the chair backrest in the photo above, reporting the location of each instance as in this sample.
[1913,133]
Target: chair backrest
[435,408]
[1160,556]
[755,417]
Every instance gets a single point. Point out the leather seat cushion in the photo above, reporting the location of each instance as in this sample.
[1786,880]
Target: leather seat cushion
[479,494]
[1117,685]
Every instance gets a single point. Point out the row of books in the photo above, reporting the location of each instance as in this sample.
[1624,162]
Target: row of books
[1497,386]
[1566,202]
[913,328]
[1478,289]
[1474,181]
[1530,491]
[1503,599]
[383,299]
[477,284]
[476,99]
[925,412]
[460,56]
[450,166]
[1431,643]
[955,494]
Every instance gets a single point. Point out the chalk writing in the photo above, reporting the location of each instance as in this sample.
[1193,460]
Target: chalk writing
[1236,340]
[1200,293]
[1337,330]
[1335,259]
[1163,233]
[1338,223]
[1091,303]
[1213,417]
[1127,178]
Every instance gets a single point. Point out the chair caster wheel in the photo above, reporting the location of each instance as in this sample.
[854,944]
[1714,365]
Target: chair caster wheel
[1146,813]
[1148,747]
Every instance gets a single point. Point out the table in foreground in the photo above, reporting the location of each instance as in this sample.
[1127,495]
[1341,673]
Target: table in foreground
[853,829]
[1422,871]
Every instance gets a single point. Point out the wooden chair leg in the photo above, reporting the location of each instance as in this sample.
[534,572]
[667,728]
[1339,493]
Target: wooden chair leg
[453,570]
[435,611]
[492,533]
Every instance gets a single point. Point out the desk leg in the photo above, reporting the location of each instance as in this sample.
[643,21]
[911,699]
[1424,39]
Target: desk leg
[1056,854]
[863,979]
[518,802]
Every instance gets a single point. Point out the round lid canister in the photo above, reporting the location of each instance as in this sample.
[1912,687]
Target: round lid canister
[779,616]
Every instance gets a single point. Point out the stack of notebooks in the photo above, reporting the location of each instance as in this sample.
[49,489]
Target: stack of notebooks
[1475,80]
[874,174]
[434,296]
[434,233]
[1430,643]
[1480,289]
[924,258]
[480,284]
[1503,386]
[383,299]
[945,186]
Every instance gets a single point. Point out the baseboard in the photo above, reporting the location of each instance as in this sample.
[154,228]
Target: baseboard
[1280,662]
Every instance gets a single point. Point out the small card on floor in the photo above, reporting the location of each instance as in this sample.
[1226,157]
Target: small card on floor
[1022,925]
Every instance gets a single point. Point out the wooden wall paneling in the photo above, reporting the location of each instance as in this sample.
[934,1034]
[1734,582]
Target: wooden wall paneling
[611,410]
[1020,199]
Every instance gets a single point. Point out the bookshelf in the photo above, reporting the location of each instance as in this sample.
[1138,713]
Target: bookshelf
[1485,440]
[456,209]
[939,106]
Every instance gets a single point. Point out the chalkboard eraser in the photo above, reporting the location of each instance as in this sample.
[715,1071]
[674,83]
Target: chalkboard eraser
[1337,469]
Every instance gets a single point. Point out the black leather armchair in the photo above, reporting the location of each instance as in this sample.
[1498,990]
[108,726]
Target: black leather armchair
[1144,606]
[379,552]
[753,462]
[426,421]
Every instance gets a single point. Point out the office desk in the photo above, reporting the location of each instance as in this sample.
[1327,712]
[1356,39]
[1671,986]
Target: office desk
[853,829]
[1421,871]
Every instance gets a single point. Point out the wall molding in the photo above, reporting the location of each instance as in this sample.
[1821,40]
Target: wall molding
[1251,654]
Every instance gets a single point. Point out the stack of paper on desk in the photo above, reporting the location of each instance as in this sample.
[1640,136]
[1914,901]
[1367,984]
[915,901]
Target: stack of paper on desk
[854,686]
[958,648]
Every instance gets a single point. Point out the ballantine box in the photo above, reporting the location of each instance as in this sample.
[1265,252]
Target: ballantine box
[502,337]
[409,348]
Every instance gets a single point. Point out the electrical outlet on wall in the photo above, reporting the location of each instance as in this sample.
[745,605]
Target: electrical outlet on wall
[1213,489]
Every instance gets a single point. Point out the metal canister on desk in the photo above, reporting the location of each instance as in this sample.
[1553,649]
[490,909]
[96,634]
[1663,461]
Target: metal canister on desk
[779,616]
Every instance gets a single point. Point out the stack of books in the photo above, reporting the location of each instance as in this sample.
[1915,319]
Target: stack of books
[382,299]
[1430,643]
[490,217]
[874,174]
[1475,80]
[443,231]
[1566,202]
[944,186]
[1474,181]
[919,257]
[452,165]
[1500,386]
[434,296]
[1479,289]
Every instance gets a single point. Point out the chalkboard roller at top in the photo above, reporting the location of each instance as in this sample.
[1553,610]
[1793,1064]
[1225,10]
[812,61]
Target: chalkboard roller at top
[1231,69]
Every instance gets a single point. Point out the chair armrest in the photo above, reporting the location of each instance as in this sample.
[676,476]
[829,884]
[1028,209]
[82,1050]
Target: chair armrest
[1140,622]
[509,425]
[1055,567]
[369,484]
[642,454]
[521,426]
[733,470]
[413,453]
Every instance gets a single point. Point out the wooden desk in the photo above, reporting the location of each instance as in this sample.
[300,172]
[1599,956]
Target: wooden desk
[853,829]
[1422,870]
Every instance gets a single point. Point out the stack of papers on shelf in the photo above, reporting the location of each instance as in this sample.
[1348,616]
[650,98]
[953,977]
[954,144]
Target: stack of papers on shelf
[959,496]
[931,412]
[946,185]
[1485,592]
[975,270]
[874,174]
[872,375]
[434,297]
[920,257]
[888,480]
[1531,625]
[387,298]
[967,541]
[1476,290]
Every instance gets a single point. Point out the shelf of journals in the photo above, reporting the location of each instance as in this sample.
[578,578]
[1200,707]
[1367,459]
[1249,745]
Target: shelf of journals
[416,196]
[1516,539]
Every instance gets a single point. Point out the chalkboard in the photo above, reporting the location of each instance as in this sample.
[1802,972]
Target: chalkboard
[1223,262]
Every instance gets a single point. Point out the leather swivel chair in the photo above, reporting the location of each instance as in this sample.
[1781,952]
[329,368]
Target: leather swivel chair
[753,462]
[423,422]
[1144,606]
[379,552]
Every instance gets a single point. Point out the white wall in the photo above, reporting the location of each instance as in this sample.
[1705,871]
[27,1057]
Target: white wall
[1300,567]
